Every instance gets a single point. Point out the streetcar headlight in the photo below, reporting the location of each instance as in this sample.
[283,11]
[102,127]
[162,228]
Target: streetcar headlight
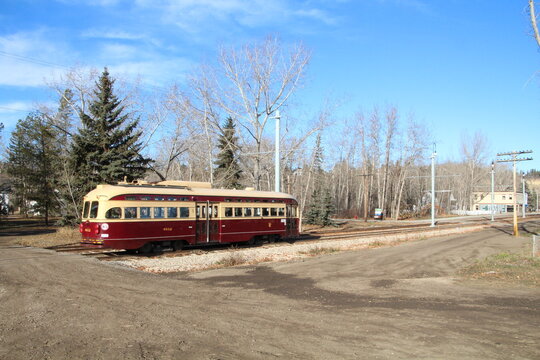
[105,227]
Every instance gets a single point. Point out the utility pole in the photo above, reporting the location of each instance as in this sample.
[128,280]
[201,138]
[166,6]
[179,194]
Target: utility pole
[276,164]
[433,155]
[492,190]
[514,159]
[536,191]
[524,195]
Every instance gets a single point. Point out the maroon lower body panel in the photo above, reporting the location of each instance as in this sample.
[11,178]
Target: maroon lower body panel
[134,234]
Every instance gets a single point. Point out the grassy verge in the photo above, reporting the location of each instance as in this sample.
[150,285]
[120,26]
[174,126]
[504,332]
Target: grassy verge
[319,250]
[506,267]
[61,236]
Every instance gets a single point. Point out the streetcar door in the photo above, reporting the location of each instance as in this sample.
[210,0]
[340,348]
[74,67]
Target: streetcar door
[292,225]
[206,222]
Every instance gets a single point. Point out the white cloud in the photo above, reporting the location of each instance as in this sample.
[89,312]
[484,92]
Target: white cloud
[26,59]
[111,34]
[15,107]
[199,15]
[103,3]
[115,52]
[154,72]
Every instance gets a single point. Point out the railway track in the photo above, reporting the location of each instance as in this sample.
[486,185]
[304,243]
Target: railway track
[113,254]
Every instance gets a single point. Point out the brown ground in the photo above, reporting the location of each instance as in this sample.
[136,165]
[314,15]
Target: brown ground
[383,303]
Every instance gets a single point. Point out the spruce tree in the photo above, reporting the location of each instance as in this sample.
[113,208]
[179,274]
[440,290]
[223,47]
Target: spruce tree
[33,163]
[228,173]
[19,164]
[314,211]
[107,147]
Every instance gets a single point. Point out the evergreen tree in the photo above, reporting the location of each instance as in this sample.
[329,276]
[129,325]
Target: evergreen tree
[107,147]
[19,164]
[314,210]
[33,163]
[228,173]
[63,122]
[321,205]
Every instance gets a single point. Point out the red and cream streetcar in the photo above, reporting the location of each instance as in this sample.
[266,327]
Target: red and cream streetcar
[145,216]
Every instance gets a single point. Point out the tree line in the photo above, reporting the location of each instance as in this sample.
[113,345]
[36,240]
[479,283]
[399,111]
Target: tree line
[214,128]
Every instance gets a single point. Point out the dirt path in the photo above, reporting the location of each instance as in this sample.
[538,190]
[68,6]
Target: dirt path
[398,302]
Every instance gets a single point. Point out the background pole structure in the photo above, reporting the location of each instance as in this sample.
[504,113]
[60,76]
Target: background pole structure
[536,191]
[516,230]
[492,191]
[276,165]
[433,155]
[514,159]
[524,199]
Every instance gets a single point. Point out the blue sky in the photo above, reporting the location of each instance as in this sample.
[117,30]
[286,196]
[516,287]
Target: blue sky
[460,66]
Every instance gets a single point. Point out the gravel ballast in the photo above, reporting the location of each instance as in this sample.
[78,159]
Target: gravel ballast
[279,252]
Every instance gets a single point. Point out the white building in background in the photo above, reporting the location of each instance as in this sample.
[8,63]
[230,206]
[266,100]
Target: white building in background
[503,201]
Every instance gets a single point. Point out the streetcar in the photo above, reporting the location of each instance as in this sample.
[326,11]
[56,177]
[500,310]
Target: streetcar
[145,217]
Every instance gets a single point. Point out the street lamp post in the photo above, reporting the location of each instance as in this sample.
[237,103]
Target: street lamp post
[276,164]
[433,155]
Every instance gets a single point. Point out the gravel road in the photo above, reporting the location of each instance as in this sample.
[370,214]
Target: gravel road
[398,302]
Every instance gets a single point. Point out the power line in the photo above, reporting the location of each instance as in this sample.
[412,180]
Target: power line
[54,65]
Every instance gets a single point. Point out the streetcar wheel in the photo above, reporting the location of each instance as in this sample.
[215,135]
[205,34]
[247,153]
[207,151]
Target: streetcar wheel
[131,251]
[146,248]
[177,245]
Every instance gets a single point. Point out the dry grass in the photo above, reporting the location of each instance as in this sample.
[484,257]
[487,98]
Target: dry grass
[377,244]
[61,236]
[506,267]
[233,259]
[319,250]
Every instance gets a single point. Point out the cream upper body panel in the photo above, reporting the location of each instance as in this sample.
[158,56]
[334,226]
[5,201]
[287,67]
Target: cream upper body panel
[106,192]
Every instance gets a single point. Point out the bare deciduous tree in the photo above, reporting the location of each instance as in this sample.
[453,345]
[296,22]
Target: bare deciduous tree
[249,85]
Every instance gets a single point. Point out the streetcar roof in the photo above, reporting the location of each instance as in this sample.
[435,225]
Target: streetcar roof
[106,191]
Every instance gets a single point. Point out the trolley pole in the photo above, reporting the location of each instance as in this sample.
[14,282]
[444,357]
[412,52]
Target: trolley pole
[492,191]
[514,159]
[276,165]
[433,155]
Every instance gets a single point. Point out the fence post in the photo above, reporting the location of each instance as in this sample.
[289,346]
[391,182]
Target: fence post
[534,246]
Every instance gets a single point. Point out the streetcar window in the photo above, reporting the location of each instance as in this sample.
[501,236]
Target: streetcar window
[172,199]
[294,211]
[145,212]
[131,198]
[86,209]
[159,212]
[94,209]
[146,198]
[248,211]
[113,213]
[215,211]
[159,198]
[203,211]
[265,212]
[237,211]
[184,212]
[273,212]
[228,212]
[184,199]
[257,211]
[281,212]
[198,211]
[172,212]
[130,213]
